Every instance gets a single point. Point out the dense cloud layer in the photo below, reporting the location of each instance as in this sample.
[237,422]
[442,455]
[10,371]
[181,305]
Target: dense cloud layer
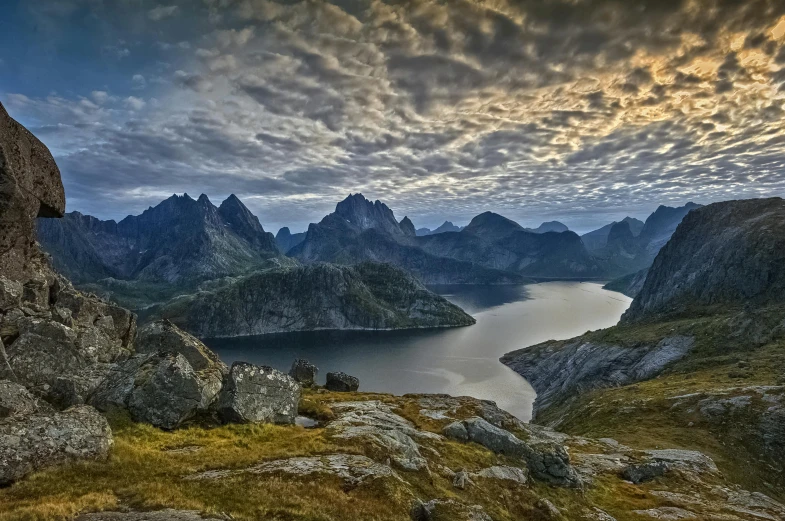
[583,110]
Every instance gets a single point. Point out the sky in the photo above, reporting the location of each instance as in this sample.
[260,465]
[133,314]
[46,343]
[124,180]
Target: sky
[578,110]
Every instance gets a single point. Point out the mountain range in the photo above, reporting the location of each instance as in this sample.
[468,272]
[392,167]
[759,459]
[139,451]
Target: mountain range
[181,243]
[181,240]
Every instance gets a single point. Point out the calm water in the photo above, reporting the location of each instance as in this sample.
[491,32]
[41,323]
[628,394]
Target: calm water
[461,361]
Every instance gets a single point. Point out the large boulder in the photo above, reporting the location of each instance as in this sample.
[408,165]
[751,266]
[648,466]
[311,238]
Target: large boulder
[304,372]
[254,394]
[30,187]
[342,382]
[33,442]
[161,389]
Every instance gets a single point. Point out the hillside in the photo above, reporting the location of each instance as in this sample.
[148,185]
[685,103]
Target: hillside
[318,296]
[707,325]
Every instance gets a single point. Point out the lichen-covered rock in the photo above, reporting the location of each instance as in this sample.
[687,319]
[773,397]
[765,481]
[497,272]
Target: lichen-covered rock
[304,372]
[29,443]
[254,394]
[375,424]
[10,293]
[15,400]
[447,509]
[342,382]
[503,473]
[161,389]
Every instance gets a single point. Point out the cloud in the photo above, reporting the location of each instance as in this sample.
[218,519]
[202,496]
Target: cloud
[588,109]
[135,103]
[162,11]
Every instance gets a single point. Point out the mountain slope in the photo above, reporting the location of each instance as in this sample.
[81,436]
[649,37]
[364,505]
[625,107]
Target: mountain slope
[447,226]
[318,296]
[550,226]
[724,254]
[597,239]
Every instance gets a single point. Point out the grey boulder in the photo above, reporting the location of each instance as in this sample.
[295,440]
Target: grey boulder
[304,372]
[37,441]
[258,394]
[161,389]
[342,382]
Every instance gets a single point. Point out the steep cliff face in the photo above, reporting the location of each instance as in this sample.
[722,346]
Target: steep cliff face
[180,240]
[318,296]
[725,254]
[364,214]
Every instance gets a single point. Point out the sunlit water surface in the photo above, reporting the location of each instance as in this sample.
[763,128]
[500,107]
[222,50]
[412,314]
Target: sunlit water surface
[459,361]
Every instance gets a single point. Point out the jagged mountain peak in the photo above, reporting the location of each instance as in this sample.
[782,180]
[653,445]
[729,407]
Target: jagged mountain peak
[407,227]
[361,212]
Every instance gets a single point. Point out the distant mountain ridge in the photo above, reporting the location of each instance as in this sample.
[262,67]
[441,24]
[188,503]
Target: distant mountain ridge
[597,239]
[491,249]
[447,226]
[179,240]
[286,240]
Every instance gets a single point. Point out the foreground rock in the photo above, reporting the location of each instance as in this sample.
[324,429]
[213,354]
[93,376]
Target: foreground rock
[342,382]
[164,337]
[161,389]
[254,394]
[15,400]
[37,441]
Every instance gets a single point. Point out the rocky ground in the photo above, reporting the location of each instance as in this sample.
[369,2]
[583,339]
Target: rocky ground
[383,457]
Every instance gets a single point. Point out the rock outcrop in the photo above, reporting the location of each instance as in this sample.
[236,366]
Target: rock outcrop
[253,394]
[546,461]
[35,441]
[30,187]
[722,255]
[561,370]
[314,297]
